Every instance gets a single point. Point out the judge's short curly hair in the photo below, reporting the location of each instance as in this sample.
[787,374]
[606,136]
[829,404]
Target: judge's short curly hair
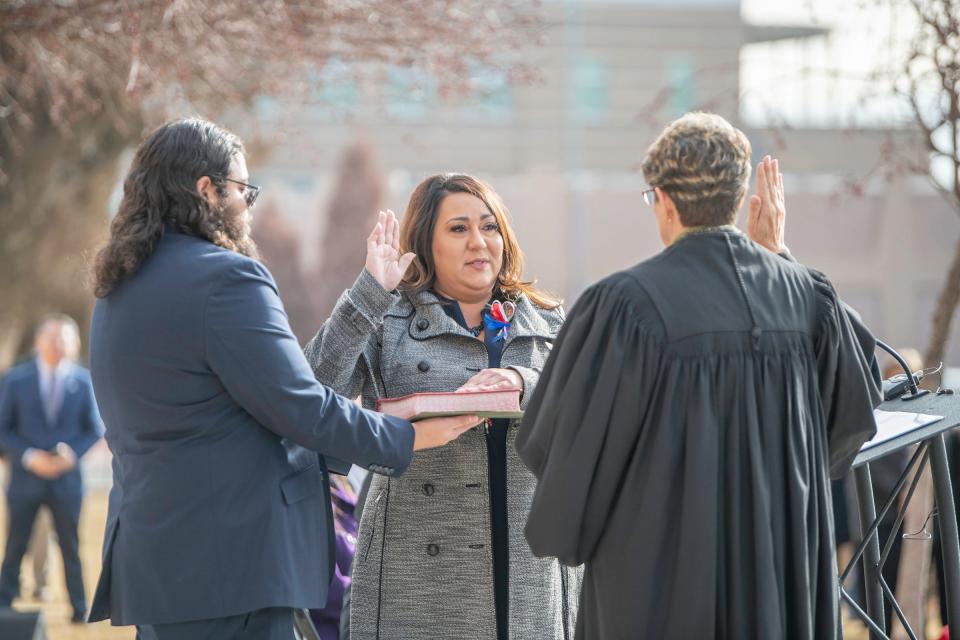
[703,163]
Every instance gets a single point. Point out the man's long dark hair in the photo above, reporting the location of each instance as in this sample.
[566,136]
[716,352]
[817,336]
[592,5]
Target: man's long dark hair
[161,189]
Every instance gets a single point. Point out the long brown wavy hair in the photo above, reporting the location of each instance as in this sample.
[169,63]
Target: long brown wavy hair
[420,220]
[161,190]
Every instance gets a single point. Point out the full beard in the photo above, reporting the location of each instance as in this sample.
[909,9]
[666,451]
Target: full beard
[233,231]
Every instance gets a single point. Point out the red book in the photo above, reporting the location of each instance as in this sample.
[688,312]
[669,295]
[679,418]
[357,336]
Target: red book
[486,404]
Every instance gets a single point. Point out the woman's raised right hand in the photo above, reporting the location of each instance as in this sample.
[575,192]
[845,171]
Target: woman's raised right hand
[436,432]
[384,261]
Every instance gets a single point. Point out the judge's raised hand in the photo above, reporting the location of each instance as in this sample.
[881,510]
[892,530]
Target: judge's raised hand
[767,213]
[436,432]
[493,380]
[384,261]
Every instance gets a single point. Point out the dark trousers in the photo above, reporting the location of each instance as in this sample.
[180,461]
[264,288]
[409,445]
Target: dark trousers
[274,623]
[22,511]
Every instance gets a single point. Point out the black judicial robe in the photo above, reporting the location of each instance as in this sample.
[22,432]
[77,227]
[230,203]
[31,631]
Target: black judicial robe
[684,430]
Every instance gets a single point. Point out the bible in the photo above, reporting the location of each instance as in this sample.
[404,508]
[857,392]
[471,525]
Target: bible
[486,404]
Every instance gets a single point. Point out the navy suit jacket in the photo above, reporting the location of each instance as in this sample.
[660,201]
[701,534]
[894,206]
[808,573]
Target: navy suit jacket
[24,424]
[215,509]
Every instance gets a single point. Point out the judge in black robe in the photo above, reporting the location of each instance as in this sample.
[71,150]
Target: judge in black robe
[688,420]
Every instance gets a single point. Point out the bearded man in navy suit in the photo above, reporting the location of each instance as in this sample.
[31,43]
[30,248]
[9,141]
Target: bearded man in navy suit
[48,420]
[220,521]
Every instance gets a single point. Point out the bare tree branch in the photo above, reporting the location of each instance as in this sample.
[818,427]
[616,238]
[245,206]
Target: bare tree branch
[80,80]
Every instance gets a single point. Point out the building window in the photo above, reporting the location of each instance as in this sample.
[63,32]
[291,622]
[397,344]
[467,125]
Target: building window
[411,94]
[335,86]
[491,95]
[681,82]
[333,90]
[267,108]
[591,90]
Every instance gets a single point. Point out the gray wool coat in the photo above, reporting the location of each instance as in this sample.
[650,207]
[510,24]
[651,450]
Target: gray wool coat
[423,567]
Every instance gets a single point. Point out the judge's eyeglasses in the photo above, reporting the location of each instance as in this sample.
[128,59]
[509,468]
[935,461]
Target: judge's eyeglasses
[649,196]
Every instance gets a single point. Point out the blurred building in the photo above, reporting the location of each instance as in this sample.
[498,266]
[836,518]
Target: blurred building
[564,151]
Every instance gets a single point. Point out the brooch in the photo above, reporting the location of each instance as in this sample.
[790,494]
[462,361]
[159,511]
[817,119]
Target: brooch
[497,318]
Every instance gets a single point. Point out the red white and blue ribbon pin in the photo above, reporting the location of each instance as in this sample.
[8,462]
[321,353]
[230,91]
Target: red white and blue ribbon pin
[497,319]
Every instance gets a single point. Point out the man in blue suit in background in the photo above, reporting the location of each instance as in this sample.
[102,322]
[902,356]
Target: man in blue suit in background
[48,420]
[219,521]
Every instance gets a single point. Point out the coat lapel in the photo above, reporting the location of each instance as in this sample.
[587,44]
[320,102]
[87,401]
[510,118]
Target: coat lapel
[528,323]
[430,321]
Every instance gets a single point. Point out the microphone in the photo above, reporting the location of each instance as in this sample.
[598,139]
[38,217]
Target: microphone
[905,389]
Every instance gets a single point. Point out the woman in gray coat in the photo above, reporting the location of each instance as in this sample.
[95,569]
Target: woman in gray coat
[441,551]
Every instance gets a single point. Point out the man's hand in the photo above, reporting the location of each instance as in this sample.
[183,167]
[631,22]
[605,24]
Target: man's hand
[436,432]
[66,456]
[43,464]
[493,380]
[767,212]
[51,466]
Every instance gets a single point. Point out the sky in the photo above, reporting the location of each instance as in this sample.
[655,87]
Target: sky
[816,82]
[822,82]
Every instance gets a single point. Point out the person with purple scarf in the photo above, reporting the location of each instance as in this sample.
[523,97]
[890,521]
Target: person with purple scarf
[344,501]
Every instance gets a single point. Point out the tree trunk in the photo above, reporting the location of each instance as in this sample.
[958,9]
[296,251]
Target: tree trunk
[913,578]
[944,312]
[53,214]
[350,217]
[11,330]
[279,245]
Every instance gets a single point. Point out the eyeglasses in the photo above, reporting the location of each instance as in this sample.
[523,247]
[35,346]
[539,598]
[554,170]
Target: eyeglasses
[649,196]
[250,191]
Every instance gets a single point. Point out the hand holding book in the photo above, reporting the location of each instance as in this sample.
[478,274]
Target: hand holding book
[436,432]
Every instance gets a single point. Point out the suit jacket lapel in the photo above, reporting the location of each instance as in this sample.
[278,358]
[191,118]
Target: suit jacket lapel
[35,394]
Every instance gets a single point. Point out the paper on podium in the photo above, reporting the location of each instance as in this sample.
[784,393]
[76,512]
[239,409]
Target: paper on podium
[891,424]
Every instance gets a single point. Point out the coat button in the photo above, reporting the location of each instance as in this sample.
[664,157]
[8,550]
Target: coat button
[433,549]
[429,489]
[422,324]
[424,366]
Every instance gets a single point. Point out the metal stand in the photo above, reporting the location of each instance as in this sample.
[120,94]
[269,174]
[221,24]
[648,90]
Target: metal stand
[949,546]
[932,447]
[871,554]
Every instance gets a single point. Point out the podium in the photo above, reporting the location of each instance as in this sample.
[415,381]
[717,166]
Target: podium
[931,448]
